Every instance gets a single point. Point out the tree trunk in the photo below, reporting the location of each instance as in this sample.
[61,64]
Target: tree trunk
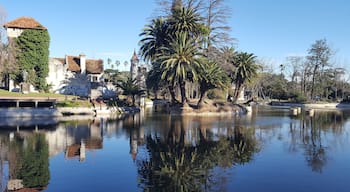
[172,94]
[237,91]
[183,92]
[313,82]
[201,99]
[155,92]
[133,100]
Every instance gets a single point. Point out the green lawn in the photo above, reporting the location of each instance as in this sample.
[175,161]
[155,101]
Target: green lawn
[63,100]
[4,93]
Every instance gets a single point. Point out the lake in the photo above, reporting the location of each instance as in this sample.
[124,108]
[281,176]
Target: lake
[265,150]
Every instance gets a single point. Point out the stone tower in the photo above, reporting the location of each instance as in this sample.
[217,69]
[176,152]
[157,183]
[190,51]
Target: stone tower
[134,63]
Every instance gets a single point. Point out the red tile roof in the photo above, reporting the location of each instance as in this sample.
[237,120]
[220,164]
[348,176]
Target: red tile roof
[92,66]
[24,23]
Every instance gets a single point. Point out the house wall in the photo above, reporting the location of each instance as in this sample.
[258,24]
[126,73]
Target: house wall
[13,32]
[67,82]
[76,84]
[56,76]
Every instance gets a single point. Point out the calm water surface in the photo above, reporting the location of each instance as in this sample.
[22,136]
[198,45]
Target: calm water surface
[268,150]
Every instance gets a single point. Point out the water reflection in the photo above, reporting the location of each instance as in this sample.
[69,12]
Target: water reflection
[29,161]
[311,131]
[187,157]
[169,153]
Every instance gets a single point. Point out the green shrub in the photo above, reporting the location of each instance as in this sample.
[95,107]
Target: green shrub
[299,98]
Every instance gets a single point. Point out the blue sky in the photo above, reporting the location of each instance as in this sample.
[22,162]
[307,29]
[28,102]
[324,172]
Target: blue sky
[271,29]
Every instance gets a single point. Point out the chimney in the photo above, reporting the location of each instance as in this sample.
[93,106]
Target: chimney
[82,63]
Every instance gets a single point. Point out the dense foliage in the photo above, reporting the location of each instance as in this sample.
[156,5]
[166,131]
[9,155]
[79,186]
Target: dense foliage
[184,50]
[33,57]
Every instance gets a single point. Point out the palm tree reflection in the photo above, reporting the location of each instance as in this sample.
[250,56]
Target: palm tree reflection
[175,164]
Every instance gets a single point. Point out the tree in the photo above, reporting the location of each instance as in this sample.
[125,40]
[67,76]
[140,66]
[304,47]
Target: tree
[296,63]
[211,76]
[339,82]
[246,69]
[216,14]
[7,53]
[180,61]
[181,31]
[155,36]
[319,56]
[167,7]
[153,80]
[33,55]
[225,57]
[274,86]
[186,20]
[130,88]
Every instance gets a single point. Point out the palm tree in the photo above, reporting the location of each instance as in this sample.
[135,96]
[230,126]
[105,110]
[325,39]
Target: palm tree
[186,19]
[155,36]
[211,76]
[181,59]
[130,88]
[226,58]
[246,69]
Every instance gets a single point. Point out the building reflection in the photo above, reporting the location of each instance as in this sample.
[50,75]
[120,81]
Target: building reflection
[34,144]
[75,139]
[134,127]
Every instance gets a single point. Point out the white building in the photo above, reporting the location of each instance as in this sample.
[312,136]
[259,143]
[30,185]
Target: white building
[76,75]
[15,28]
[72,75]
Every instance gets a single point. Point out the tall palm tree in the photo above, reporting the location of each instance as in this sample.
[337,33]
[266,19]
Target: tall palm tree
[186,20]
[180,61]
[166,33]
[211,76]
[155,36]
[246,69]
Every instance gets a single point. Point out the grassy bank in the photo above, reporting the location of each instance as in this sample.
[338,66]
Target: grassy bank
[4,93]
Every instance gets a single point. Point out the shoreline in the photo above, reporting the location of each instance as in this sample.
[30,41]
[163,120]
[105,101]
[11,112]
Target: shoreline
[336,106]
